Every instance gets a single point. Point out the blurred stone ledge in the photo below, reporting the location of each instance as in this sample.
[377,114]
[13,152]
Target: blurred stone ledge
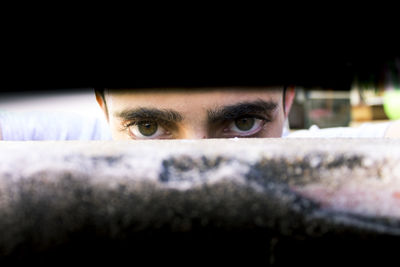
[246,201]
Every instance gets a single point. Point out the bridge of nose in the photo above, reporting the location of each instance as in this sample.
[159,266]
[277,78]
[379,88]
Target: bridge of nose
[195,132]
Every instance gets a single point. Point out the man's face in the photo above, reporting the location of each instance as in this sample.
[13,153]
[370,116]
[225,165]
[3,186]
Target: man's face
[194,114]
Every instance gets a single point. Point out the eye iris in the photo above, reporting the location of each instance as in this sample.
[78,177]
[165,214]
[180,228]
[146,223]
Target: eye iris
[147,128]
[244,124]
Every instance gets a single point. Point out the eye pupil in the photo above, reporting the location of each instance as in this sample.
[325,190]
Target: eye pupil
[147,128]
[244,124]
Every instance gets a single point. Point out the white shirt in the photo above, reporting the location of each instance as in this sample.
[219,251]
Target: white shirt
[39,125]
[365,130]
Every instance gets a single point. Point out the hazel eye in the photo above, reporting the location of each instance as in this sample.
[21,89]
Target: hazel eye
[244,124]
[147,128]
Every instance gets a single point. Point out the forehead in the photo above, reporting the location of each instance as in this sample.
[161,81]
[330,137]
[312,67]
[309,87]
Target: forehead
[189,99]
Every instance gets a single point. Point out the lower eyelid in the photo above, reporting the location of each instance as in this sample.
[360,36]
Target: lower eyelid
[262,122]
[165,134]
[257,128]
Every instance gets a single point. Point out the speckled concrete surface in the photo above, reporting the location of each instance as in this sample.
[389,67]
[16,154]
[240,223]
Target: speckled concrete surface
[108,200]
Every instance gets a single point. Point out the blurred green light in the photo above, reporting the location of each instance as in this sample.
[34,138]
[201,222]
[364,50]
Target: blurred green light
[391,104]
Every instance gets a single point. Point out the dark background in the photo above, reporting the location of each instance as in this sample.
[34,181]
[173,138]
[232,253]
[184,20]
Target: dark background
[55,63]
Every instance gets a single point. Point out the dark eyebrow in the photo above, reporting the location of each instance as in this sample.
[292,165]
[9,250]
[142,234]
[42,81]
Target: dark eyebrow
[150,113]
[242,109]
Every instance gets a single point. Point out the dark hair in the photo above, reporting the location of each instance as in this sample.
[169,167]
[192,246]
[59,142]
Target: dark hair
[284,97]
[100,91]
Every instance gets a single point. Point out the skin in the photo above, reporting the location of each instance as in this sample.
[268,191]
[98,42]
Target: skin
[197,114]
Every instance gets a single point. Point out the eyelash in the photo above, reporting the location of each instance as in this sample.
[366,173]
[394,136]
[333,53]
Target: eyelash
[168,125]
[138,121]
[164,124]
[259,117]
[252,116]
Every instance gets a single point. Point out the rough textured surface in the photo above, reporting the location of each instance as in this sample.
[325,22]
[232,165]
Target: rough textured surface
[264,201]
